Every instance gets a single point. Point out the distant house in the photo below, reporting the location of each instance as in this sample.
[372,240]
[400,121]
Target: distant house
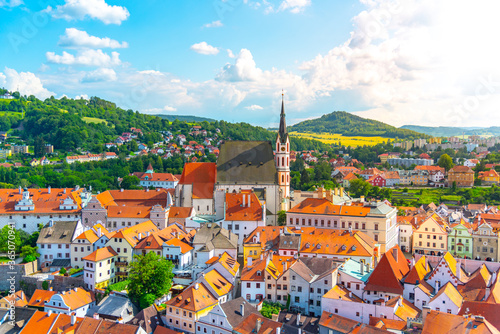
[489,177]
[377,180]
[462,176]
[471,163]
[76,300]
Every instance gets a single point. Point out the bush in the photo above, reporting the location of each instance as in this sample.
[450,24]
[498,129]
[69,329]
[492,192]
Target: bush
[62,271]
[119,286]
[29,258]
[268,309]
[45,285]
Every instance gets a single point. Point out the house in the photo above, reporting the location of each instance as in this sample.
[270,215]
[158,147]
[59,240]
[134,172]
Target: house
[253,280]
[123,243]
[370,172]
[40,297]
[116,308]
[330,323]
[489,177]
[54,242]
[157,180]
[179,215]
[86,243]
[243,213]
[471,163]
[223,318]
[315,277]
[148,319]
[430,238]
[462,176]
[441,322]
[257,324]
[213,240]
[377,180]
[75,301]
[183,311]
[102,326]
[386,280]
[391,178]
[261,240]
[447,299]
[346,182]
[485,241]
[405,233]
[20,315]
[447,270]
[196,187]
[179,252]
[220,287]
[460,241]
[278,278]
[353,275]
[415,277]
[17,299]
[99,268]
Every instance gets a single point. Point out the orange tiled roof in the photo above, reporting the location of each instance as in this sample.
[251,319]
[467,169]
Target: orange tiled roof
[43,201]
[42,323]
[40,297]
[460,169]
[322,206]
[266,234]
[76,299]
[202,175]
[389,272]
[350,177]
[252,209]
[251,273]
[247,326]
[134,197]
[218,283]
[101,254]
[177,243]
[339,292]
[179,212]
[18,299]
[440,322]
[418,271]
[131,234]
[194,298]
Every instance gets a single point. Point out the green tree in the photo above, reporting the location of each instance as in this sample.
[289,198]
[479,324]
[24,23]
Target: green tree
[359,187]
[304,177]
[445,162]
[9,234]
[282,218]
[29,254]
[130,182]
[149,274]
[39,147]
[45,285]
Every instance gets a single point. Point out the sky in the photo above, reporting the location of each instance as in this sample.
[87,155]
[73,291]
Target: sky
[421,62]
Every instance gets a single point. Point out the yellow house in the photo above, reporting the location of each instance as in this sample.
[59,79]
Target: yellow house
[99,268]
[489,177]
[430,238]
[124,241]
[18,299]
[419,177]
[257,241]
[183,311]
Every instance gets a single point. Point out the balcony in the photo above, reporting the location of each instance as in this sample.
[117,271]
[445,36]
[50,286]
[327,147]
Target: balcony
[121,273]
[121,264]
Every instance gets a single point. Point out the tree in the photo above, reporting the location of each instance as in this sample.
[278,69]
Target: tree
[45,285]
[29,253]
[304,177]
[149,274]
[445,162]
[39,147]
[282,218]
[130,182]
[359,187]
[7,235]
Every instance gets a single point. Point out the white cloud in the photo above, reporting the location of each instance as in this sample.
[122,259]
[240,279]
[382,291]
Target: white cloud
[214,24]
[85,58]
[82,96]
[74,38]
[244,69]
[254,107]
[95,9]
[101,74]
[27,83]
[204,49]
[10,3]
[294,6]
[230,54]
[160,110]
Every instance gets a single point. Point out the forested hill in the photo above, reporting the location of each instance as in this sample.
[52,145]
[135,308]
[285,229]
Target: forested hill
[69,124]
[187,118]
[347,124]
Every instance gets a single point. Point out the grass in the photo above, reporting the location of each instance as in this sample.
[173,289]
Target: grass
[120,286]
[94,120]
[4,259]
[329,138]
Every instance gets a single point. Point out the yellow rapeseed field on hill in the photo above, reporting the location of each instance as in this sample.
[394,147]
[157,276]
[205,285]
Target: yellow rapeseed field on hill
[329,138]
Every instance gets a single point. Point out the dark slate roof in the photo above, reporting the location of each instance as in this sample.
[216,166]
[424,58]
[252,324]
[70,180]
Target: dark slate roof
[23,314]
[61,263]
[283,134]
[309,325]
[246,162]
[59,233]
[319,266]
[118,307]
[148,319]
[232,310]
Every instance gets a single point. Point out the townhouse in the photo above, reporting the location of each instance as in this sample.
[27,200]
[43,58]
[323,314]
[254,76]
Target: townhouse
[156,180]
[196,187]
[462,176]
[213,240]
[376,219]
[489,177]
[75,301]
[353,275]
[54,242]
[99,268]
[261,240]
[460,241]
[485,242]
[86,243]
[277,278]
[252,279]
[430,238]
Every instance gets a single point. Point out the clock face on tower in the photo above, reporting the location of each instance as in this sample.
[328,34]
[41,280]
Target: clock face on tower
[283,148]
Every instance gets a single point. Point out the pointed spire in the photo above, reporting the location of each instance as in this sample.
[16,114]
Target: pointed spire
[150,168]
[282,130]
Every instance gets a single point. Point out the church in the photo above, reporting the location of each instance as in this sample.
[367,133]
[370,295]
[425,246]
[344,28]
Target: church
[251,166]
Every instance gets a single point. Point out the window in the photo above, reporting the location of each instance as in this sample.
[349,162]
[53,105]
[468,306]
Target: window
[299,289]
[297,299]
[376,227]
[249,285]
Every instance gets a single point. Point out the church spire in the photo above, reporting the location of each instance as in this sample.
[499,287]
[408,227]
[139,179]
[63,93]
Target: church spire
[282,130]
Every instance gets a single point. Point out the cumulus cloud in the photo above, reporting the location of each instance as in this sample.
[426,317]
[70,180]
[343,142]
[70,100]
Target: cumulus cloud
[85,58]
[244,69]
[82,96]
[27,83]
[214,24]
[10,3]
[294,6]
[74,38]
[101,74]
[254,107]
[204,49]
[95,9]
[160,110]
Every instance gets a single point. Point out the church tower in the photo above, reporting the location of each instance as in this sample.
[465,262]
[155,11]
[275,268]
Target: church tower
[282,157]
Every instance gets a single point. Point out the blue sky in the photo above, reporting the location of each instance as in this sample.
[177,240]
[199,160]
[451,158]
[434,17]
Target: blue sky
[401,62]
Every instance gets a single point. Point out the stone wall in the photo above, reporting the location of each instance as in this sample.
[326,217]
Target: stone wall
[16,271]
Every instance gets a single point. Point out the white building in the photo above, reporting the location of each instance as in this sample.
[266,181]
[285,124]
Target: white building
[99,268]
[83,244]
[54,242]
[77,300]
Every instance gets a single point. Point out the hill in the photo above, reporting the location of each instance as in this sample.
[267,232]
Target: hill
[448,131]
[347,124]
[187,118]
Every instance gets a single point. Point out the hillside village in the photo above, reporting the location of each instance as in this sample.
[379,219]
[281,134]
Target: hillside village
[248,254]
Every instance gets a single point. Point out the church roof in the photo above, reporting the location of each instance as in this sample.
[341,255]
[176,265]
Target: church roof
[246,162]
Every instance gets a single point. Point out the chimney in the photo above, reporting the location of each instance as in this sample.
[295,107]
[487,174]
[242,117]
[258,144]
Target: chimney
[479,318]
[64,191]
[350,294]
[285,266]
[242,310]
[75,289]
[298,319]
[436,287]
[48,189]
[367,267]
[243,195]
[395,253]
[362,199]
[249,200]
[95,316]
[341,191]
[249,261]
[486,293]
[196,286]
[459,271]
[258,236]
[258,325]
[73,318]
[261,256]
[362,267]
[49,313]
[20,190]
[425,311]
[147,190]
[300,331]
[278,330]
[99,232]
[63,292]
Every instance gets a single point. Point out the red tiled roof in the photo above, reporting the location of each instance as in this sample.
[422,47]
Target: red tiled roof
[322,206]
[388,274]
[202,175]
[243,207]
